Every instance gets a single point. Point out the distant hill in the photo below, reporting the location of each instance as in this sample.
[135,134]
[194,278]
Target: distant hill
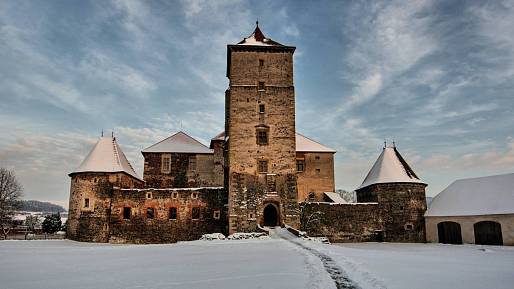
[38,206]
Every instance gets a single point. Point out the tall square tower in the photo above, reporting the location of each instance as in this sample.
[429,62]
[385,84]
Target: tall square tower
[260,131]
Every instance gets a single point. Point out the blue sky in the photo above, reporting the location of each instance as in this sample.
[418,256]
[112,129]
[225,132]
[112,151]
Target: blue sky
[435,76]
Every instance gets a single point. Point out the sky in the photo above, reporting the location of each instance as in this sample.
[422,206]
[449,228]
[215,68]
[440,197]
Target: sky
[437,77]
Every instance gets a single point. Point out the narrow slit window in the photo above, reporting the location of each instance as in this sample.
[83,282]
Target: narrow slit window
[262,108]
[300,165]
[173,213]
[86,203]
[150,213]
[261,85]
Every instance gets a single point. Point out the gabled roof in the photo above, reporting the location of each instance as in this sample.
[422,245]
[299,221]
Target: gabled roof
[390,167]
[218,137]
[257,38]
[305,144]
[179,143]
[335,198]
[476,196]
[106,157]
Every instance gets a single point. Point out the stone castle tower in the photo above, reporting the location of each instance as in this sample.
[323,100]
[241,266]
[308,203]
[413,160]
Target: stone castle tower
[400,196]
[260,132]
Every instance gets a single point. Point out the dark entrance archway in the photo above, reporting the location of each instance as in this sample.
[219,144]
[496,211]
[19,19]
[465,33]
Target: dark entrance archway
[270,216]
[449,233]
[488,233]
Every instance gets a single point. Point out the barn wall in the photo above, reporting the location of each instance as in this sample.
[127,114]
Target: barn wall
[467,230]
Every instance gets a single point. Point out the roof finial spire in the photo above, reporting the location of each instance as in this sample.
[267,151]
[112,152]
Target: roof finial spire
[257,22]
[385,143]
[394,144]
[112,133]
[102,132]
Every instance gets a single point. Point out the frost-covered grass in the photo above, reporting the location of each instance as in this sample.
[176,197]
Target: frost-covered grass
[258,263]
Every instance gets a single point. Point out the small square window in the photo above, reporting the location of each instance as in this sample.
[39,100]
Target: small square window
[317,157]
[149,195]
[262,108]
[262,137]
[261,63]
[250,216]
[263,166]
[261,85]
[150,213]
[318,171]
[173,213]
[126,213]
[195,214]
[174,195]
[194,195]
[86,203]
[217,214]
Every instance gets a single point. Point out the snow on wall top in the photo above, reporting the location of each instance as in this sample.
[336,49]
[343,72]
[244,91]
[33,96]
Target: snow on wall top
[475,196]
[179,143]
[390,167]
[106,157]
[305,144]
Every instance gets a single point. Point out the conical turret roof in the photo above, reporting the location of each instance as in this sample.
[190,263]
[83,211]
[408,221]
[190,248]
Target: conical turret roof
[106,157]
[390,167]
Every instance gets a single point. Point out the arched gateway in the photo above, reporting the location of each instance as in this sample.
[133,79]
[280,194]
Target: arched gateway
[270,216]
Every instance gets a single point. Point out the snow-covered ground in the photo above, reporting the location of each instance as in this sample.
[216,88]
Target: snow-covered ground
[258,263]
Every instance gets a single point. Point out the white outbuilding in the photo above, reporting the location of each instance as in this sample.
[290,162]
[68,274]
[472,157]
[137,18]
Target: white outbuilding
[473,211]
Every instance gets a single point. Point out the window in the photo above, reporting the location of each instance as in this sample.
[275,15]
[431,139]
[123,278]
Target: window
[166,163]
[150,214]
[251,216]
[312,196]
[195,214]
[263,167]
[261,63]
[174,195]
[261,85]
[194,195]
[86,203]
[300,165]
[409,227]
[318,171]
[261,108]
[317,157]
[126,213]
[262,137]
[216,214]
[192,163]
[173,213]
[148,195]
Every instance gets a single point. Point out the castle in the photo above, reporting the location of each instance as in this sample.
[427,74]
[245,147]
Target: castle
[258,172]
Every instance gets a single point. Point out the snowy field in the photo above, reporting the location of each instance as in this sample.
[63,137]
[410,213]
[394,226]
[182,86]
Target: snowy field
[271,263]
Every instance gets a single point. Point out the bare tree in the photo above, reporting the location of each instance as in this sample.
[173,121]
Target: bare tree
[10,193]
[348,196]
[31,222]
[308,219]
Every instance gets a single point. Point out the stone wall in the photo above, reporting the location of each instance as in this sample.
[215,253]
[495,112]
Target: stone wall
[402,207]
[161,229]
[359,222]
[180,175]
[317,176]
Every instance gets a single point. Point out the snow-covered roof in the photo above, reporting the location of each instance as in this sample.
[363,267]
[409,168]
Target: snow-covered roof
[305,144]
[258,39]
[390,167]
[335,197]
[179,143]
[476,196]
[106,157]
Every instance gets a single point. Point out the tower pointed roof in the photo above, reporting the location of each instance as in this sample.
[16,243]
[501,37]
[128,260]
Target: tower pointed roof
[106,157]
[179,142]
[390,167]
[257,38]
